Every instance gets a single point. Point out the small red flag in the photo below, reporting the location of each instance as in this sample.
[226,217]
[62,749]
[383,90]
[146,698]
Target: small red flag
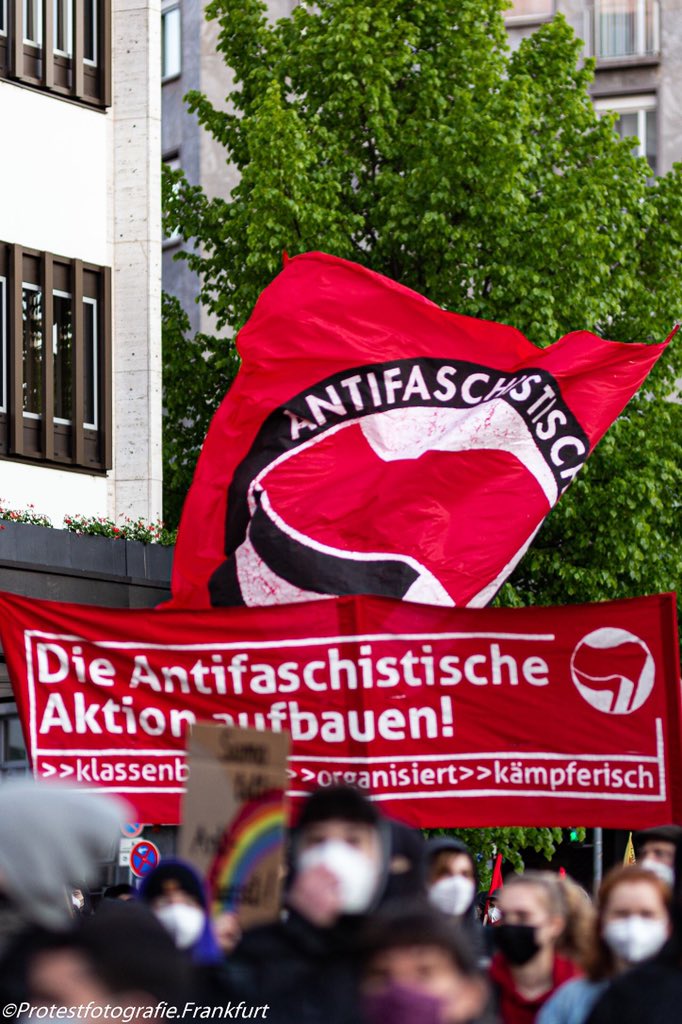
[496,882]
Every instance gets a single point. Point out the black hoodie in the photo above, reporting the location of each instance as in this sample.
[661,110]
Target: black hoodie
[308,974]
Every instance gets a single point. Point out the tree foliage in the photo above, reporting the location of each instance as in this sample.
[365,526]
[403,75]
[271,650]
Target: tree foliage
[409,138]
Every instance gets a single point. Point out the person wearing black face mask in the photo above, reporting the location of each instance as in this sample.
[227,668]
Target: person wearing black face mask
[537,942]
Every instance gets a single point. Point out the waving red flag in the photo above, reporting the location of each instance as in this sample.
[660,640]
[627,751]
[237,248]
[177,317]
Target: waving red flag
[374,443]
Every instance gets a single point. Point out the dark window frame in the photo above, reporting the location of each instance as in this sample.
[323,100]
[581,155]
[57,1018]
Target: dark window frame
[70,75]
[169,7]
[43,438]
[11,766]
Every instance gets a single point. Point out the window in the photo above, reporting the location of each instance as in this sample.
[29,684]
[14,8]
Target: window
[636,120]
[530,9]
[13,757]
[172,161]
[90,33]
[90,360]
[32,349]
[76,59]
[62,349]
[3,344]
[33,22]
[625,28]
[171,41]
[63,32]
[55,359]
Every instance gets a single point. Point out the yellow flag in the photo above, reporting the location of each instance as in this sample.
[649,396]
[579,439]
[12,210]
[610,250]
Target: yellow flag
[629,855]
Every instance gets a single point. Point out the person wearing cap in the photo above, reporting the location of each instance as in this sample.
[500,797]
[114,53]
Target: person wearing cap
[655,850]
[122,891]
[306,966]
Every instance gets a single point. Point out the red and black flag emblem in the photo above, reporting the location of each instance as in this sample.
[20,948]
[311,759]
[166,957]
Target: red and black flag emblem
[374,443]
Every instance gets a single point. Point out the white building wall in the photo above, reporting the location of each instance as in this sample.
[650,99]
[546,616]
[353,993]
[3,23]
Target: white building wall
[55,493]
[54,187]
[86,185]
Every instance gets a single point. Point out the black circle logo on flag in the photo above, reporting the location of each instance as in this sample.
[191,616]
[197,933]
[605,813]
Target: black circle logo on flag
[381,479]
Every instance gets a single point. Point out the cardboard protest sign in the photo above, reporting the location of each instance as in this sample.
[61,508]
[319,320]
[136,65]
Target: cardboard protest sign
[233,818]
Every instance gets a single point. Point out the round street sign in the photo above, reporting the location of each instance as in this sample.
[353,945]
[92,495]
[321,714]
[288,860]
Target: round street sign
[144,857]
[131,829]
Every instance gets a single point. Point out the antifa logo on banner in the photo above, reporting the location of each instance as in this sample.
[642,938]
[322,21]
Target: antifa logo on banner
[285,541]
[592,670]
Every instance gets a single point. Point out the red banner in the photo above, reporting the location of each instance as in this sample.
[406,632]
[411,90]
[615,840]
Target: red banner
[543,716]
[373,443]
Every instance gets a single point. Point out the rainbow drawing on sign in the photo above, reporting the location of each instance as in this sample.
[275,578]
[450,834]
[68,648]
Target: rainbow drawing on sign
[255,833]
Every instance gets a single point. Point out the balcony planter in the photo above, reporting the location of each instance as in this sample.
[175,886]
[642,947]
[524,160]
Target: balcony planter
[22,544]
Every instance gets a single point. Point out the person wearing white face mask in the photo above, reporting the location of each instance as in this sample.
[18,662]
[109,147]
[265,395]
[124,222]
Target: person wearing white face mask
[452,878]
[651,992]
[452,884]
[655,850]
[306,966]
[176,894]
[632,925]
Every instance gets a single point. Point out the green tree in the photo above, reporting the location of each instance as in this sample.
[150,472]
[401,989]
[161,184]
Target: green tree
[408,138]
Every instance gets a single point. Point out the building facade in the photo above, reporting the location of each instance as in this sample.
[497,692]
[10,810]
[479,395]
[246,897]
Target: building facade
[80,300]
[190,60]
[635,44]
[80,276]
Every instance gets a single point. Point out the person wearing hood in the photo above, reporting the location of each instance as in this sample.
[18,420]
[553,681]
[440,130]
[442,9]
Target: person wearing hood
[53,839]
[176,894]
[307,965]
[452,883]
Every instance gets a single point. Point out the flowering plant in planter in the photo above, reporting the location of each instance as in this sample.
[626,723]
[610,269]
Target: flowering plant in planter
[154,532]
[23,515]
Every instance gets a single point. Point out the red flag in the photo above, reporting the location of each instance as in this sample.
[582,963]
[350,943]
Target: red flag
[374,443]
[496,882]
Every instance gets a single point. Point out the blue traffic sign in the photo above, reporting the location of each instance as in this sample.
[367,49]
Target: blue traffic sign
[132,829]
[144,857]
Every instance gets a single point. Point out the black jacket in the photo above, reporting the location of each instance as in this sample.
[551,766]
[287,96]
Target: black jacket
[305,974]
[650,994]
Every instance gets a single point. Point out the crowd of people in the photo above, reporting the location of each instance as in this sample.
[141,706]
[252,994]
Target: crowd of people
[378,926]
